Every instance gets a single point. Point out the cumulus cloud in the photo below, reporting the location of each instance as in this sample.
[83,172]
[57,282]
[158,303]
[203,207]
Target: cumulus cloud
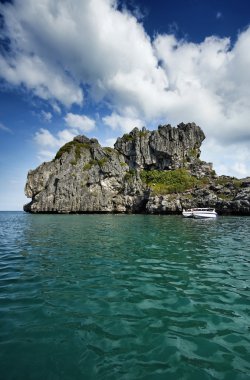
[80,122]
[45,80]
[44,138]
[70,50]
[122,123]
[211,81]
[53,56]
[230,159]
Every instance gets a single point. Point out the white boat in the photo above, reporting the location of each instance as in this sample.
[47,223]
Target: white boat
[204,213]
[199,213]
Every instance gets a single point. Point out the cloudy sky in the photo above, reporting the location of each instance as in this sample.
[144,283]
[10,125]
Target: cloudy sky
[102,67]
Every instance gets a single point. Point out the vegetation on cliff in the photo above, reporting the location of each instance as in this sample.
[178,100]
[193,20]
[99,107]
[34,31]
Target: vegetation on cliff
[78,146]
[170,181]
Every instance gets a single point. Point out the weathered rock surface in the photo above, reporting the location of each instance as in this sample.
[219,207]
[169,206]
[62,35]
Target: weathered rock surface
[163,149]
[85,177]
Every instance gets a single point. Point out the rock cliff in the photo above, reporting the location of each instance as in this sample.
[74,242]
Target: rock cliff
[164,149]
[147,171]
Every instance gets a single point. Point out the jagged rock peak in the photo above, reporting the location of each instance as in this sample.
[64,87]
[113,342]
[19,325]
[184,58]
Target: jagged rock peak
[164,149]
[83,139]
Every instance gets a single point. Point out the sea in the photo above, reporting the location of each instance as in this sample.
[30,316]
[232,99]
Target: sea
[124,297]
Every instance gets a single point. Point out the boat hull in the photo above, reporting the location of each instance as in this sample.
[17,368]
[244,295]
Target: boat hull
[204,216]
[200,213]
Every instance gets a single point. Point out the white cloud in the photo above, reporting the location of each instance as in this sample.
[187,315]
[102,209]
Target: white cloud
[110,142]
[124,124]
[240,169]
[52,56]
[60,48]
[211,81]
[56,107]
[48,143]
[4,128]
[44,138]
[45,155]
[65,136]
[233,159]
[45,80]
[80,122]
[46,116]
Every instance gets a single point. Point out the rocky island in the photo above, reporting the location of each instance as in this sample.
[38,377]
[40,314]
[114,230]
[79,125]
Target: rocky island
[154,172]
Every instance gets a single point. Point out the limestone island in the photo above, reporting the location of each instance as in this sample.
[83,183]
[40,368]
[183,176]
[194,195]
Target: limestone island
[153,172]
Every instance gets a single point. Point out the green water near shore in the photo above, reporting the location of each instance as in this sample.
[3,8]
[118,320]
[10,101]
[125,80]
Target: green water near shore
[124,297]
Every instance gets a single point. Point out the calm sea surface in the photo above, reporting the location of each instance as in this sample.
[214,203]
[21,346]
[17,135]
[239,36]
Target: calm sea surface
[124,297]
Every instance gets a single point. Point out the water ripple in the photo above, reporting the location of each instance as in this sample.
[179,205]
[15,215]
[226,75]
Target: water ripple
[124,297]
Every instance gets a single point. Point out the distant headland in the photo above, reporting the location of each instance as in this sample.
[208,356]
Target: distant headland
[154,172]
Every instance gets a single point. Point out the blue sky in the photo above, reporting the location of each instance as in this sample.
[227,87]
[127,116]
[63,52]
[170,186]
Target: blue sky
[102,67]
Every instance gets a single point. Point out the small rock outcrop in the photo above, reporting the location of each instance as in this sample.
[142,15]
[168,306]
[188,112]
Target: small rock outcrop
[147,171]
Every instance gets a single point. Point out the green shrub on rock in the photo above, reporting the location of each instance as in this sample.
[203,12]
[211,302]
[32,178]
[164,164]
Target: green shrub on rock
[72,144]
[168,181]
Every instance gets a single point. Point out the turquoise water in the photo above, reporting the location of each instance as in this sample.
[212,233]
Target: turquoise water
[124,297]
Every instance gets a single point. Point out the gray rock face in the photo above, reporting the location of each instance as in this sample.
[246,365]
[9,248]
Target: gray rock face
[84,177]
[87,178]
[164,149]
